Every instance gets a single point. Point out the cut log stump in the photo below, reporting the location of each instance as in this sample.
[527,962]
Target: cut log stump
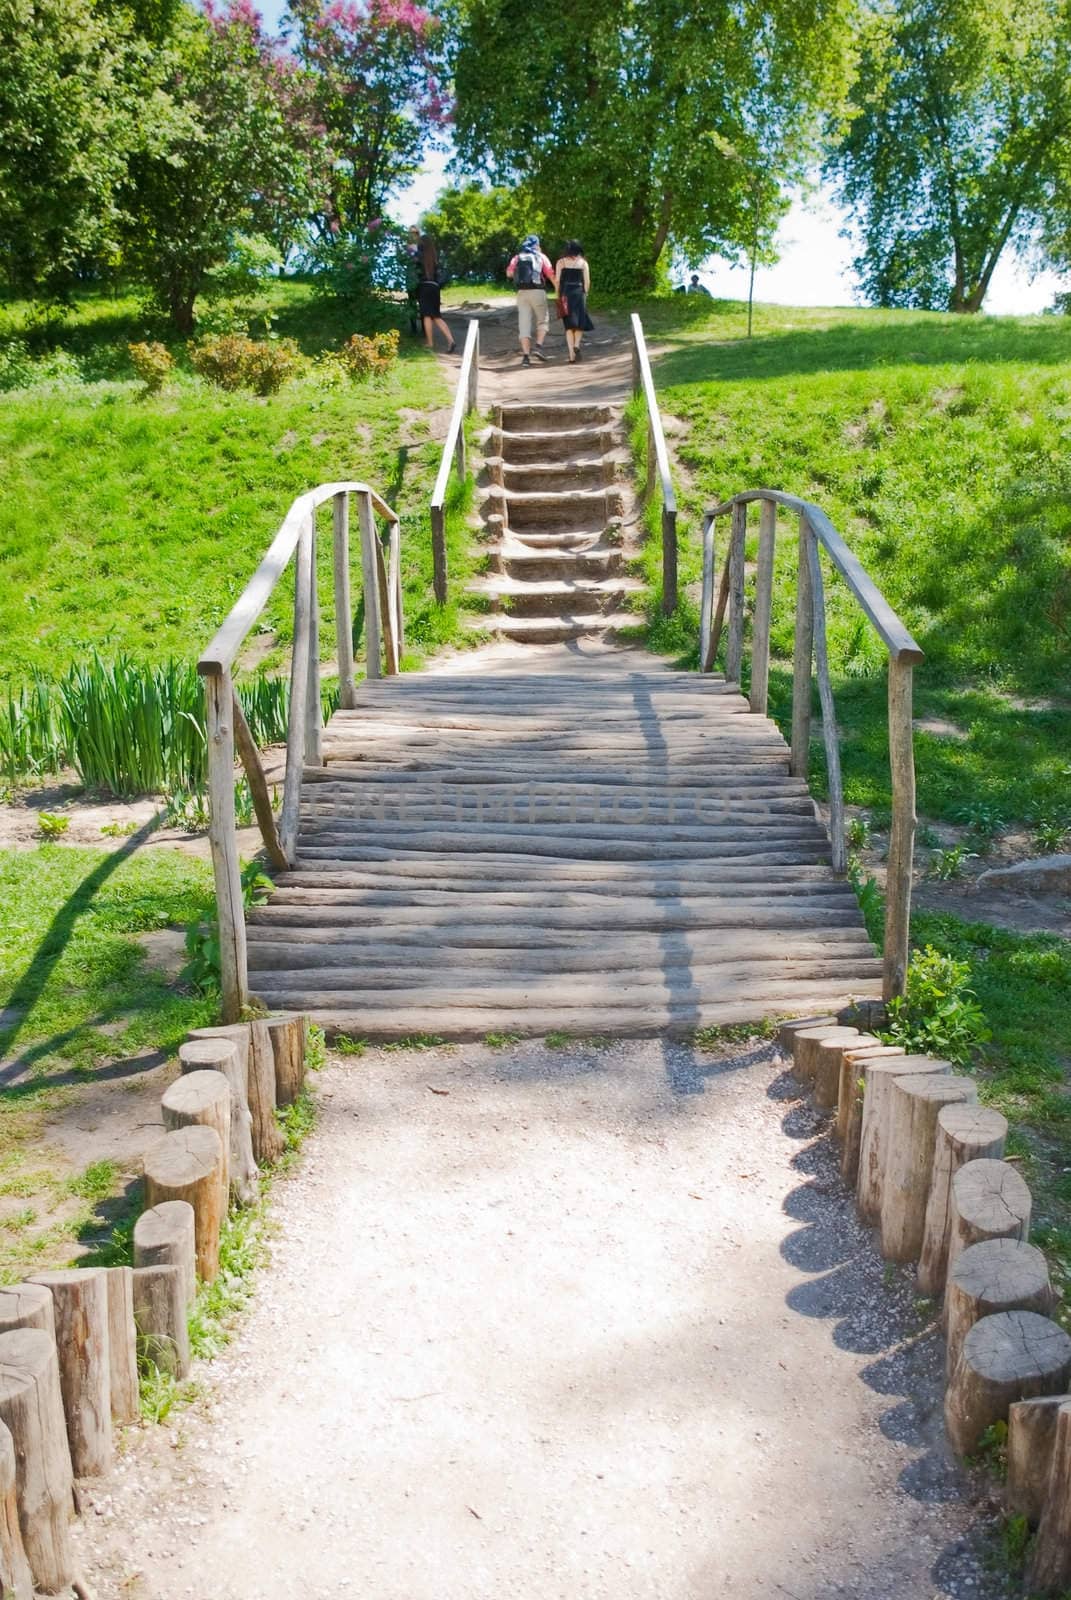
[288,1033]
[253,1040]
[912,1109]
[990,1200]
[829,1059]
[806,1043]
[851,1092]
[122,1345]
[202,1100]
[787,1032]
[881,1074]
[80,1305]
[165,1237]
[1050,1565]
[27,1305]
[31,1408]
[223,1055]
[16,1582]
[160,1315]
[996,1275]
[1031,1441]
[1011,1356]
[186,1165]
[964,1133]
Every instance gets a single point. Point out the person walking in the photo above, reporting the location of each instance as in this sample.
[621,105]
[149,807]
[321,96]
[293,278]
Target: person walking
[531,271]
[574,284]
[429,294]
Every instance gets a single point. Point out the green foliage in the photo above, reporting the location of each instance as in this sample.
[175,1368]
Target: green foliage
[344,1045]
[477,230]
[948,864]
[153,363]
[97,1182]
[959,145]
[624,142]
[871,901]
[365,357]
[939,1015]
[233,361]
[51,826]
[858,833]
[416,1041]
[203,970]
[501,1041]
[714,1038]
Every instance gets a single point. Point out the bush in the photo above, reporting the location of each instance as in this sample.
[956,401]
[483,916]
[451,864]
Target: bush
[939,1015]
[365,356]
[236,362]
[153,364]
[16,365]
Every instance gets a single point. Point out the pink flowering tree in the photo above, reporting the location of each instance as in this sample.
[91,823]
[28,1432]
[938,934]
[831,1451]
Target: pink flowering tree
[377,67]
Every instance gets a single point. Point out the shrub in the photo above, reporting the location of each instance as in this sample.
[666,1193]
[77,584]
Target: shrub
[235,362]
[153,364]
[365,356]
[16,365]
[939,1015]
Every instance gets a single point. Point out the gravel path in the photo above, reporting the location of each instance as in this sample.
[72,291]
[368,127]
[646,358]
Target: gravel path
[556,1323]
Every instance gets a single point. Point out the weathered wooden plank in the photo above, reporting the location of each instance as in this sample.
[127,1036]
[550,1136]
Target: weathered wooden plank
[744,914]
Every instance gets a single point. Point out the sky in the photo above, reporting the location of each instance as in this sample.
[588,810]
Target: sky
[815,264]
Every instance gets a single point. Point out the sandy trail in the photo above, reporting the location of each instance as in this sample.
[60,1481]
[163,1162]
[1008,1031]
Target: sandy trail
[579,1323]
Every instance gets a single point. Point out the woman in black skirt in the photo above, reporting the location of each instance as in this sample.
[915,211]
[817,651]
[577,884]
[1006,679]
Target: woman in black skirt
[429,295]
[574,282]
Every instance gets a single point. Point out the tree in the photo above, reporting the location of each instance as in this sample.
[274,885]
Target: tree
[77,98]
[478,230]
[638,126]
[242,156]
[376,70]
[959,145]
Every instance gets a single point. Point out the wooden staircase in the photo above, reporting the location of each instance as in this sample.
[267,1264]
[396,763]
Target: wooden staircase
[555,512]
[606,852]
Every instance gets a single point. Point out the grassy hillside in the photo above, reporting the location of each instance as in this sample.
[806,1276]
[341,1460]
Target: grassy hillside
[131,522]
[939,446]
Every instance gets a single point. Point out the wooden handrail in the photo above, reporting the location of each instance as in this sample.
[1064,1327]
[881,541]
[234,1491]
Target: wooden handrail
[466,399]
[226,726]
[811,653]
[657,458]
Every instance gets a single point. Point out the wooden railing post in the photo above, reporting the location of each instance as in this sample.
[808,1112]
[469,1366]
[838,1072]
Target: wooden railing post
[459,453]
[734,645]
[902,833]
[340,550]
[370,579]
[386,612]
[637,378]
[829,714]
[474,367]
[299,690]
[258,787]
[394,574]
[706,603]
[760,639]
[438,552]
[648,482]
[223,837]
[799,760]
[314,714]
[669,560]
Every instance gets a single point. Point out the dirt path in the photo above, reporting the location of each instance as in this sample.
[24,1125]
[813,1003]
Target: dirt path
[604,376]
[578,1323]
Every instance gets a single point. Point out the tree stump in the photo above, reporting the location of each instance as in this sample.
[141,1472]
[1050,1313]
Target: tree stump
[122,1345]
[829,1060]
[254,1039]
[31,1408]
[160,1315]
[27,1305]
[1011,1356]
[881,1074]
[16,1581]
[1050,1566]
[964,1133]
[996,1275]
[990,1200]
[787,1032]
[908,1141]
[202,1100]
[223,1055]
[165,1237]
[288,1032]
[1031,1441]
[850,1095]
[80,1304]
[806,1043]
[186,1165]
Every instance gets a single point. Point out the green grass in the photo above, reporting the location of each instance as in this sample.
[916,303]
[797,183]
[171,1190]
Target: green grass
[938,445]
[81,1009]
[131,523]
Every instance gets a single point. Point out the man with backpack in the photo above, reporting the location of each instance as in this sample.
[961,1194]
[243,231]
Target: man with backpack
[531,270]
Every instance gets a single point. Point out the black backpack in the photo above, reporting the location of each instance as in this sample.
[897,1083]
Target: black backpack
[528,273]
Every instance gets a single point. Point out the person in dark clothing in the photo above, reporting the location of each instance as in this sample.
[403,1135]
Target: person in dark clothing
[429,294]
[574,283]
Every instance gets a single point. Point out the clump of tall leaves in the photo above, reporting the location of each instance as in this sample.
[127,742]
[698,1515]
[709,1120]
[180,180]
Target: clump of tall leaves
[939,1014]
